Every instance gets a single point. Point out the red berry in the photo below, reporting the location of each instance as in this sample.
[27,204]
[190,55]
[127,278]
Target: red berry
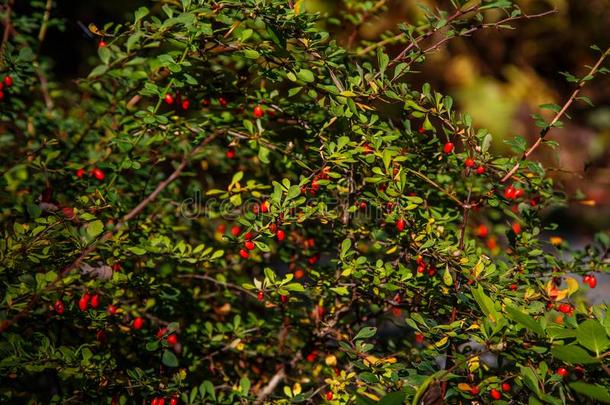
[329,395]
[83,302]
[561,371]
[172,339]
[474,390]
[519,193]
[592,282]
[422,130]
[230,153]
[154,401]
[185,104]
[419,337]
[312,260]
[169,99]
[95,301]
[400,224]
[235,231]
[111,309]
[513,287]
[80,173]
[138,323]
[565,308]
[248,236]
[161,401]
[59,307]
[586,279]
[101,44]
[506,387]
[367,148]
[249,245]
[281,235]
[1,95]
[516,228]
[98,173]
[509,192]
[8,81]
[469,163]
[421,269]
[68,212]
[244,253]
[284,298]
[260,296]
[482,231]
[495,394]
[448,148]
[265,206]
[223,101]
[161,332]
[480,169]
[258,111]
[101,336]
[116,267]
[363,205]
[173,401]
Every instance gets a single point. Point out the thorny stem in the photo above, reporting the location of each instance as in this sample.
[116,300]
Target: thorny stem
[559,114]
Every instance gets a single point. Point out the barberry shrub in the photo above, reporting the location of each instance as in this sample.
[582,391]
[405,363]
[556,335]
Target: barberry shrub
[236,207]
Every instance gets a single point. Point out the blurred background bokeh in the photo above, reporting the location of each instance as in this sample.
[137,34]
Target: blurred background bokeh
[499,76]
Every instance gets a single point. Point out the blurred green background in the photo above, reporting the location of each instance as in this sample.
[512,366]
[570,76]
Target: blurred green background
[498,76]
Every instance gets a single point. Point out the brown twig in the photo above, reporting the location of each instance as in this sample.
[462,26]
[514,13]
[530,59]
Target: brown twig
[559,114]
[120,225]
[277,378]
[221,283]
[8,26]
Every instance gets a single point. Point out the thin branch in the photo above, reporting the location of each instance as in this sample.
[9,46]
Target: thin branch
[438,187]
[8,27]
[221,283]
[277,378]
[559,114]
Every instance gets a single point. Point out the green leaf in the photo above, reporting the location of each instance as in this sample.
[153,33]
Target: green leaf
[485,303]
[393,398]
[573,354]
[306,75]
[263,154]
[592,335]
[94,228]
[293,192]
[593,391]
[525,320]
[169,359]
[366,333]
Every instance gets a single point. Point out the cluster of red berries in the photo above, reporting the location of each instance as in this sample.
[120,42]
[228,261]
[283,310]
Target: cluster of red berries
[590,279]
[565,309]
[8,82]
[95,172]
[161,401]
[422,267]
[315,186]
[85,302]
[184,103]
[512,193]
[171,339]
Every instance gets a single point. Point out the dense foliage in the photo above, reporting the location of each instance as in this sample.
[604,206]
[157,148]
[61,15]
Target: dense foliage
[233,207]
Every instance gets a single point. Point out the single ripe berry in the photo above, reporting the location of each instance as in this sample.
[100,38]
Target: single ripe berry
[172,339]
[421,269]
[169,99]
[138,323]
[173,401]
[363,205]
[265,206]
[513,287]
[101,44]
[419,337]
[474,390]
[519,193]
[223,101]
[586,279]
[495,394]
[284,298]
[244,253]
[258,111]
[154,401]
[111,309]
[561,371]
[469,163]
[422,130]
[400,224]
[59,307]
[160,333]
[68,212]
[161,401]
[83,302]
[480,169]
[8,81]
[516,227]
[80,173]
[95,301]
[329,396]
[505,387]
[98,173]
[260,296]
[448,148]
[482,231]
[592,282]
[230,153]
[311,357]
[116,267]
[509,192]
[565,308]
[185,104]
[248,236]
[235,230]
[281,235]
[312,260]
[249,245]
[1,95]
